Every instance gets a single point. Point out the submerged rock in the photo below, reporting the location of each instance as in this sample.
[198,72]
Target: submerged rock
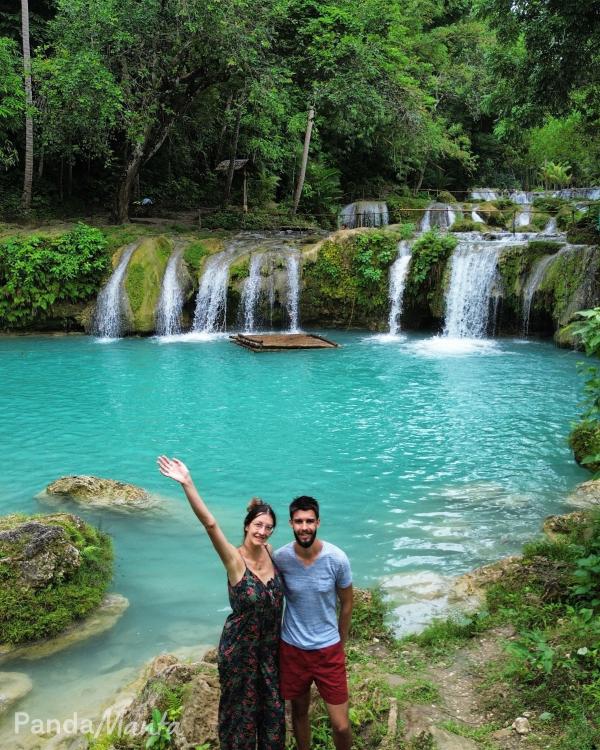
[103,618]
[13,687]
[99,493]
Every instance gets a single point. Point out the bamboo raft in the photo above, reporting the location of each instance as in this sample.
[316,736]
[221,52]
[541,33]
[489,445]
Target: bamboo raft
[278,342]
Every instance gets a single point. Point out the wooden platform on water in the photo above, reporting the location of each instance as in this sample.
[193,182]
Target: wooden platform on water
[278,342]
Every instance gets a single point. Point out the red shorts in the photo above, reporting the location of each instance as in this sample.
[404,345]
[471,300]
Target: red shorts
[325,666]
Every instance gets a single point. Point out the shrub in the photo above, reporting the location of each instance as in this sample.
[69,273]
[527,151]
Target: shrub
[466,225]
[37,272]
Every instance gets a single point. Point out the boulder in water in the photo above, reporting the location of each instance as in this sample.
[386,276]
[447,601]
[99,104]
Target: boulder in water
[54,570]
[99,492]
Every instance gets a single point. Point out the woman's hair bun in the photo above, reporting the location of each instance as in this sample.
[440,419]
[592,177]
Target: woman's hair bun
[255,503]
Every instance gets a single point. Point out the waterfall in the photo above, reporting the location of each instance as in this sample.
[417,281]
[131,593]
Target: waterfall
[520,197]
[533,281]
[364,214]
[476,217]
[251,291]
[441,215]
[398,274]
[473,271]
[109,314]
[551,227]
[484,194]
[523,217]
[211,303]
[170,303]
[293,290]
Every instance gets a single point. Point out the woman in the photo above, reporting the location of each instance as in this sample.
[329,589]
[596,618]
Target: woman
[251,711]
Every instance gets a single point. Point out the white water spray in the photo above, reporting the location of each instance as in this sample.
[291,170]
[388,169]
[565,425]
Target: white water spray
[251,292]
[293,291]
[170,304]
[533,281]
[109,317]
[398,274]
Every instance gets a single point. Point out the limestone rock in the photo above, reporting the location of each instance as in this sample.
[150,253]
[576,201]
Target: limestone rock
[470,587]
[521,725]
[557,526]
[586,495]
[13,687]
[99,492]
[198,722]
[38,553]
[103,618]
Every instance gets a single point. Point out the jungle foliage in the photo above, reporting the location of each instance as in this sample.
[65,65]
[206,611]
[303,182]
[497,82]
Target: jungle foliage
[412,96]
[37,272]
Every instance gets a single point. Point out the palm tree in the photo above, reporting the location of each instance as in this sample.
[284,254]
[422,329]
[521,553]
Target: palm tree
[28,175]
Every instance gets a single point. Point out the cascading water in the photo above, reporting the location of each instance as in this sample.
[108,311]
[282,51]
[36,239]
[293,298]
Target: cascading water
[551,227]
[523,218]
[476,217]
[531,285]
[211,303]
[170,303]
[484,194]
[473,272]
[293,290]
[364,214]
[441,215]
[398,274]
[109,317]
[251,291]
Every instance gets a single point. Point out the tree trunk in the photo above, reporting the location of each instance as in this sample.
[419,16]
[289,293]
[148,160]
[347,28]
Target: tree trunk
[232,156]
[302,175]
[123,197]
[223,130]
[28,174]
[41,164]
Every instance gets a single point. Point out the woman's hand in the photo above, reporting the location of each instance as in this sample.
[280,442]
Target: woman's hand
[174,469]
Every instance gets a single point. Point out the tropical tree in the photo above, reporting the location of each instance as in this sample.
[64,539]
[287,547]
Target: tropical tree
[12,104]
[28,172]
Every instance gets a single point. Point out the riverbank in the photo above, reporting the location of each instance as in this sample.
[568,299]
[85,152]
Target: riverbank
[519,672]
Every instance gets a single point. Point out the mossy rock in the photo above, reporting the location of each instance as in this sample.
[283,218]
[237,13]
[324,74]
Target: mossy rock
[54,569]
[492,215]
[144,279]
[571,283]
[467,225]
[584,440]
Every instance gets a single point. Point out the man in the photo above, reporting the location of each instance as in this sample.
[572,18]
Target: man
[316,574]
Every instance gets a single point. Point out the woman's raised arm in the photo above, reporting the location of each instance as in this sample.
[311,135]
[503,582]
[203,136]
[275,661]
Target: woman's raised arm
[231,558]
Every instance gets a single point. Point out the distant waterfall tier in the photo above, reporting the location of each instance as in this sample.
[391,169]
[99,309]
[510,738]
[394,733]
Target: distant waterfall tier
[251,291]
[109,317]
[473,273]
[531,285]
[364,214]
[398,274]
[442,215]
[170,303]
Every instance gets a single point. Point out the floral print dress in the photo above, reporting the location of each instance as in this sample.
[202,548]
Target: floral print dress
[251,710]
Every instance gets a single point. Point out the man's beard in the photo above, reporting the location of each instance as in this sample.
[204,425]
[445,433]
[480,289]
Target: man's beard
[306,543]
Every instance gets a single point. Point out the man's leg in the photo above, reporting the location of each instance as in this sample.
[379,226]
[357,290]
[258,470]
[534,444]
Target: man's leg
[301,722]
[340,725]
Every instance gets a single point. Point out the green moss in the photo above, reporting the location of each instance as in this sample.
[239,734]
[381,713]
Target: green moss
[31,614]
[446,197]
[584,440]
[240,269]
[194,255]
[561,280]
[466,225]
[144,279]
[493,216]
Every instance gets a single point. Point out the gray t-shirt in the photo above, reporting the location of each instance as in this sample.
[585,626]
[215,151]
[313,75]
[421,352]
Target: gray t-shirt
[309,618]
